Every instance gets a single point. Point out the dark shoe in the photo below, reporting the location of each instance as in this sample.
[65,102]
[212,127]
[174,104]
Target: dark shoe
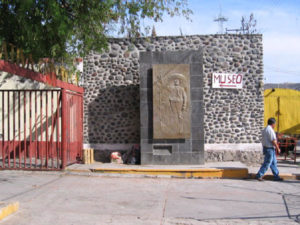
[259,178]
[278,179]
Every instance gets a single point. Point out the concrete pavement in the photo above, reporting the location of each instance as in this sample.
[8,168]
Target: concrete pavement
[61,198]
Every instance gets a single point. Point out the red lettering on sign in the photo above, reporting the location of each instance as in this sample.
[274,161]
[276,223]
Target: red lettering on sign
[217,78]
[223,81]
[234,79]
[239,79]
[229,79]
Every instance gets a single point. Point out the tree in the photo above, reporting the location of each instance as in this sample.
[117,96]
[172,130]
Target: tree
[61,28]
[248,26]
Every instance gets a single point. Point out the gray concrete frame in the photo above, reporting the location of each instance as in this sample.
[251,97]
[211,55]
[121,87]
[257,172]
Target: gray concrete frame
[183,151]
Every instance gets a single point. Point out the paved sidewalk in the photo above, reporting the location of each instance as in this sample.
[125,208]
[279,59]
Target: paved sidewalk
[61,198]
[283,167]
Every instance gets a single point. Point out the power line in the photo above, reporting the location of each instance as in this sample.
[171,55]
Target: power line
[290,72]
[221,19]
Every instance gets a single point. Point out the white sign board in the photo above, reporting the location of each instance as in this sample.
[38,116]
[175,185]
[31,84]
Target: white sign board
[227,80]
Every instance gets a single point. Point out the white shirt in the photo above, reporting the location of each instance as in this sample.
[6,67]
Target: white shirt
[268,135]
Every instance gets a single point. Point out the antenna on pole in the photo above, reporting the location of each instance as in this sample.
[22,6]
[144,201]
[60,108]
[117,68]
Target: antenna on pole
[221,19]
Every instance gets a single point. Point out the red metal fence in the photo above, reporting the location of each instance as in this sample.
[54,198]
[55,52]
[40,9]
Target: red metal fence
[40,129]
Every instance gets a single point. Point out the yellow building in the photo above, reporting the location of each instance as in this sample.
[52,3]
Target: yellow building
[284,106]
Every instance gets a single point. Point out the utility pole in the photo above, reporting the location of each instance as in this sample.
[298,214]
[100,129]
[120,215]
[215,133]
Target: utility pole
[221,19]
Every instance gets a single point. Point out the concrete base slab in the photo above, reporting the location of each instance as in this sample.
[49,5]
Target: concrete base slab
[235,170]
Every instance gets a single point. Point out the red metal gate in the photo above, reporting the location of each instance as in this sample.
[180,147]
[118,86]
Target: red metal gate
[72,127]
[40,129]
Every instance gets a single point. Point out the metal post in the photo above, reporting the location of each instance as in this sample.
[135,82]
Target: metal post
[47,128]
[64,127]
[57,127]
[81,125]
[41,128]
[35,128]
[25,138]
[30,130]
[14,128]
[8,129]
[3,137]
[19,128]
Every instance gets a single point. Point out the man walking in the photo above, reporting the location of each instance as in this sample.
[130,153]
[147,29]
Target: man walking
[269,143]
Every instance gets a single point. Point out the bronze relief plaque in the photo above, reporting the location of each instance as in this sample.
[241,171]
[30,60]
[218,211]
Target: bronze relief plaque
[171,101]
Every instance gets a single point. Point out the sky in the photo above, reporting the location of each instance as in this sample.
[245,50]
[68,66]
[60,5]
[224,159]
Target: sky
[277,20]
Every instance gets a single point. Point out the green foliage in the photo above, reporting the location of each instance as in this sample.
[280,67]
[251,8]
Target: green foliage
[65,28]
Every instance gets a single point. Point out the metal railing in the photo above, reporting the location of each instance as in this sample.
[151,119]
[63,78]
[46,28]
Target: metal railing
[288,148]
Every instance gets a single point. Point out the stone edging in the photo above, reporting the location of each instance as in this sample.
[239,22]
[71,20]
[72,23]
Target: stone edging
[7,209]
[207,147]
[246,153]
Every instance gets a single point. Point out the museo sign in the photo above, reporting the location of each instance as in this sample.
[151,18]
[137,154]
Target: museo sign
[227,80]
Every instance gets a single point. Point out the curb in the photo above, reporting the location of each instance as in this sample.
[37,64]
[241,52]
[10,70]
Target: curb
[7,209]
[226,173]
[78,170]
[233,173]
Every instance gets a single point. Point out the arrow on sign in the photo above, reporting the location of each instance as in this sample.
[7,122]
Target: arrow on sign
[222,85]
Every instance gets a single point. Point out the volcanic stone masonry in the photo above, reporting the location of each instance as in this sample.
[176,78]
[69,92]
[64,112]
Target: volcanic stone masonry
[233,118]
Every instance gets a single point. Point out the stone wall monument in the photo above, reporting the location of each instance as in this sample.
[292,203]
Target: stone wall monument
[172,107]
[233,118]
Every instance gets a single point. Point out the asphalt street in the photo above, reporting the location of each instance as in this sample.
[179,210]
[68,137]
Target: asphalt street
[61,198]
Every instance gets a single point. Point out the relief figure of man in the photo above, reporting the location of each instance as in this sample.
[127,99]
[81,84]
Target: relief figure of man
[177,100]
